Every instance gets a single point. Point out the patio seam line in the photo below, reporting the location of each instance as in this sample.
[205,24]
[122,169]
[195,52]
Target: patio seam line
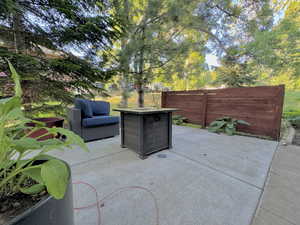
[279,216]
[258,206]
[100,157]
[217,170]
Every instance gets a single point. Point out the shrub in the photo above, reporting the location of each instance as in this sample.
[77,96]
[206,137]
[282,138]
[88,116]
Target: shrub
[291,114]
[178,119]
[226,125]
[295,121]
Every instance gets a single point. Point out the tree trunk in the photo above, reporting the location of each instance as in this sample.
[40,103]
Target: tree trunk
[141,80]
[19,39]
[140,91]
[125,65]
[124,83]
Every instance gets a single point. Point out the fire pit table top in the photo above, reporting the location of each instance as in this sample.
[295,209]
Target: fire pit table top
[146,110]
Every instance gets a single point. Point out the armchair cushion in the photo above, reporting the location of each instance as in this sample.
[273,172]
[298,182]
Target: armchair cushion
[100,108]
[85,107]
[99,121]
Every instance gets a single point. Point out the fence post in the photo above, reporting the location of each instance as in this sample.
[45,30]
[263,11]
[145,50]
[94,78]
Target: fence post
[204,111]
[279,109]
[163,99]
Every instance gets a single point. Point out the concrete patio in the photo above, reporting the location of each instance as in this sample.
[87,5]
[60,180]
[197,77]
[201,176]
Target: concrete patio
[206,179]
[280,203]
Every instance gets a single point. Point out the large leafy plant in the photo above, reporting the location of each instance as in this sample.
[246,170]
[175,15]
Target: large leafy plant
[178,119]
[226,125]
[24,165]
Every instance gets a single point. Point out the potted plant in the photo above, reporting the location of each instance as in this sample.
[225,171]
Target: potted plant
[35,188]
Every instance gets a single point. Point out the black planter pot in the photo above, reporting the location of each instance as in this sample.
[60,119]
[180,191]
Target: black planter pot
[49,211]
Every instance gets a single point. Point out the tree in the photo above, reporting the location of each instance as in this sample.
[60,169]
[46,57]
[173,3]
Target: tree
[277,49]
[186,72]
[244,20]
[41,40]
[235,70]
[156,35]
[267,51]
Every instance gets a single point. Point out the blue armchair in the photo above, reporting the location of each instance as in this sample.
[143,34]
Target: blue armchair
[91,120]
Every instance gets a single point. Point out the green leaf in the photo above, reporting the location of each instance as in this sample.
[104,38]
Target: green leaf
[217,124]
[34,189]
[13,104]
[51,142]
[230,125]
[16,78]
[21,163]
[55,175]
[44,157]
[72,138]
[229,131]
[25,144]
[243,122]
[213,129]
[35,174]
[225,118]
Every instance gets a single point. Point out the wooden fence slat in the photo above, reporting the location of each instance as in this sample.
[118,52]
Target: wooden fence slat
[261,106]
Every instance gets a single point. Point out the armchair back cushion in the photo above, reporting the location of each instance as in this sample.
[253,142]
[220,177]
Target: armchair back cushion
[85,107]
[100,108]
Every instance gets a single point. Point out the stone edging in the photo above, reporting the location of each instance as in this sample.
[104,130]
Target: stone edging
[289,136]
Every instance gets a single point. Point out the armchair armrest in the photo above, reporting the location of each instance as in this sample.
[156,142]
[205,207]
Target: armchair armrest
[74,117]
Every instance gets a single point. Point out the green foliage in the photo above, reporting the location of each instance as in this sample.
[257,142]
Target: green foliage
[290,114]
[40,39]
[235,75]
[160,36]
[292,101]
[226,125]
[192,125]
[295,121]
[178,119]
[23,158]
[275,51]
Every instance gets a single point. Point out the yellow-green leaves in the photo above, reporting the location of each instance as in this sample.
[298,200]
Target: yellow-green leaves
[32,190]
[16,78]
[25,144]
[35,174]
[17,169]
[55,175]
[71,138]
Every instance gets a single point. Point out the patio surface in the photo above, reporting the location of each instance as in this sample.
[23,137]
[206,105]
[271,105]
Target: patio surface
[206,179]
[280,204]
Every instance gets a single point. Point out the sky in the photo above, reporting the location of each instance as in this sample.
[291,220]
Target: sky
[212,60]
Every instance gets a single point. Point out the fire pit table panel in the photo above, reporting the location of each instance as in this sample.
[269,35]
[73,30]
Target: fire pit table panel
[146,130]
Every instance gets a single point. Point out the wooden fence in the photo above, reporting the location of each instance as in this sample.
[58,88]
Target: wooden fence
[259,106]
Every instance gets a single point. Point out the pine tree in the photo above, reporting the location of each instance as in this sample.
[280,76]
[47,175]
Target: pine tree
[41,40]
[154,32]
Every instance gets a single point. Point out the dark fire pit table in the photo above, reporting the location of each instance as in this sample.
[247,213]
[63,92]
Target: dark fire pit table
[146,130]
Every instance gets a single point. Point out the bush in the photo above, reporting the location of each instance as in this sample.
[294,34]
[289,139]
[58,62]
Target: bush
[295,121]
[226,125]
[178,119]
[291,114]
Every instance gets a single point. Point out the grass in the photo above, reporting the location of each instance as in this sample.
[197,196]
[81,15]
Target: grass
[191,125]
[291,104]
[151,100]
[291,101]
